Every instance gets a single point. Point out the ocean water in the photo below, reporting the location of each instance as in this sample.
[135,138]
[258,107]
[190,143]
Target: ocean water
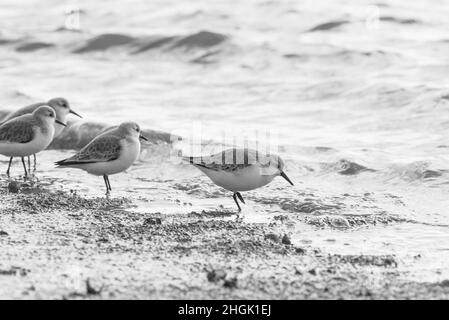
[354,95]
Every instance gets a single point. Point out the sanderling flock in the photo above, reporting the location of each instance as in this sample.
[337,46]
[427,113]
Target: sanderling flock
[31,129]
[28,134]
[61,107]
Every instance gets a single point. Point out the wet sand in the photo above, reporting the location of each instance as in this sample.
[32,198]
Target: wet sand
[60,245]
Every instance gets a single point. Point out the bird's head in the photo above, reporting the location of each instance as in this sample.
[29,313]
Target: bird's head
[62,108]
[47,114]
[274,166]
[132,129]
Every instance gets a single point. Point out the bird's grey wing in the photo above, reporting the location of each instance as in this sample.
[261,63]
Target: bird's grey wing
[101,149]
[16,131]
[22,111]
[30,108]
[230,160]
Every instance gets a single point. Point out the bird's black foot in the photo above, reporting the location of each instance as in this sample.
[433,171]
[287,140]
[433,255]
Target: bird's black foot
[234,196]
[240,197]
[24,169]
[34,166]
[107,184]
[239,217]
[9,167]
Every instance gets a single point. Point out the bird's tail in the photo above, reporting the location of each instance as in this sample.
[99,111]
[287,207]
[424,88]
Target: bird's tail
[190,160]
[194,160]
[64,162]
[60,163]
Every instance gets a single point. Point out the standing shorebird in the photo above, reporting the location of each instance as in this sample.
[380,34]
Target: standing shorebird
[28,134]
[61,107]
[109,153]
[240,170]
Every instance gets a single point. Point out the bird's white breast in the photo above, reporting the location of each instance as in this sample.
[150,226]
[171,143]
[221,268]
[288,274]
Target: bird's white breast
[245,179]
[40,141]
[129,152]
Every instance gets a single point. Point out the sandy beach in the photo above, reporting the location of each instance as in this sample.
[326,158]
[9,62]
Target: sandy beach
[59,245]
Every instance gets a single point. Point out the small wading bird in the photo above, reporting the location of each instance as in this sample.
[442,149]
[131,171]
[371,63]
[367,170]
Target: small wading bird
[111,152]
[240,170]
[61,107]
[27,134]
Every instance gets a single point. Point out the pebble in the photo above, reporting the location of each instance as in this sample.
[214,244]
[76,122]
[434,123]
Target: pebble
[230,283]
[216,275]
[152,221]
[286,239]
[445,283]
[273,237]
[13,187]
[339,222]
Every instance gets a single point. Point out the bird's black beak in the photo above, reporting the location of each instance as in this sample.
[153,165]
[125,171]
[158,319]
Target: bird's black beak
[76,114]
[283,175]
[143,138]
[61,123]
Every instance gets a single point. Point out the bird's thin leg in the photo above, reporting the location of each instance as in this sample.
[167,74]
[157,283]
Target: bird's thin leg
[24,167]
[240,196]
[105,177]
[109,183]
[34,156]
[29,163]
[9,167]
[234,196]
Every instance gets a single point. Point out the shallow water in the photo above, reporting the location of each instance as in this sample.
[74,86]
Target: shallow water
[354,94]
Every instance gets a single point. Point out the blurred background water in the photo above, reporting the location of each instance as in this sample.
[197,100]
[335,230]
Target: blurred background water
[355,94]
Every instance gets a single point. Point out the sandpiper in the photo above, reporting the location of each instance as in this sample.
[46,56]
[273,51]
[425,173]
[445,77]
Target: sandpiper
[27,134]
[109,153]
[239,170]
[61,107]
